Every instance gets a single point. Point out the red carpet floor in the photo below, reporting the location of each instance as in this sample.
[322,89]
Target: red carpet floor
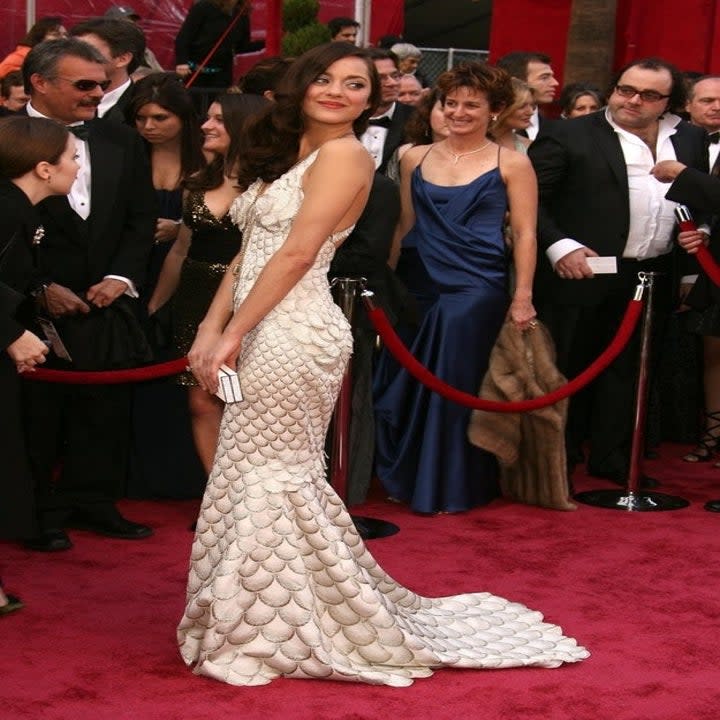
[640,590]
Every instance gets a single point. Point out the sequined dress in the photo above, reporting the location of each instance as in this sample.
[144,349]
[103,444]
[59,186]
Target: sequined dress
[280,582]
[214,243]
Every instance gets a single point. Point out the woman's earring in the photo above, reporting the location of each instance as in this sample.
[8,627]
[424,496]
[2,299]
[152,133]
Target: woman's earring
[493,118]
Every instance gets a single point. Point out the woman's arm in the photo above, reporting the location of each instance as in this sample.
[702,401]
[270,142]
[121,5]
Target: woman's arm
[170,272]
[335,190]
[521,186]
[410,160]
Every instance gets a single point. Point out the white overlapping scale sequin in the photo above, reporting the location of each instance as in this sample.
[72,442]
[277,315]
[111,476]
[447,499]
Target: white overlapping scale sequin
[280,582]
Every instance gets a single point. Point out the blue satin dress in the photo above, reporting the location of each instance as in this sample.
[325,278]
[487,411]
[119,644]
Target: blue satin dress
[454,261]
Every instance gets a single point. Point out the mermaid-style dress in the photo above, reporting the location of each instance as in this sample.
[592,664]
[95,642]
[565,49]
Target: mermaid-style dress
[280,582]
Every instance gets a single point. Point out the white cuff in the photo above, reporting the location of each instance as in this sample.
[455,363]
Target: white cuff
[131,290]
[561,248]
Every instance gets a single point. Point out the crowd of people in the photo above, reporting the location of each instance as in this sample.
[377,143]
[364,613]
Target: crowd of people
[136,230]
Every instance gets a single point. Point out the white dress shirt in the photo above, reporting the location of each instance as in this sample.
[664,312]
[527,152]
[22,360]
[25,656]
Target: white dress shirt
[373,139]
[79,196]
[111,97]
[652,219]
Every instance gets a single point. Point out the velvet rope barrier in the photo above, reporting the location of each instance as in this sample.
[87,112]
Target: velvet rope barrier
[706,260]
[108,377]
[400,352]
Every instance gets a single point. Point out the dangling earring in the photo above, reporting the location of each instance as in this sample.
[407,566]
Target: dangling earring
[493,118]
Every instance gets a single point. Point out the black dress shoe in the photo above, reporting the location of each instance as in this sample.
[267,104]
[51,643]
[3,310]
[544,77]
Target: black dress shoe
[712,506]
[112,525]
[49,541]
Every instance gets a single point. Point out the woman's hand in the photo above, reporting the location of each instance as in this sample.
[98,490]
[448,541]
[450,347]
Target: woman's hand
[209,351]
[522,313]
[166,230]
[27,352]
[691,240]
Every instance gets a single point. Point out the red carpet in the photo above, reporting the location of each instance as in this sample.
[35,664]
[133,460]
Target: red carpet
[641,591]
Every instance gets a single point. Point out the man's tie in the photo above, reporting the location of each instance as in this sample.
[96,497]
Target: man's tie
[713,137]
[81,131]
[385,122]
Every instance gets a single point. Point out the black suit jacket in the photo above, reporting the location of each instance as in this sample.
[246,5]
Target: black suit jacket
[396,133]
[583,188]
[702,192]
[365,252]
[117,237]
[117,112]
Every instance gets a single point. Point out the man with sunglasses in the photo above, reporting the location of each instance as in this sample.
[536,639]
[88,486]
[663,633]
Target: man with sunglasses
[603,218]
[89,266]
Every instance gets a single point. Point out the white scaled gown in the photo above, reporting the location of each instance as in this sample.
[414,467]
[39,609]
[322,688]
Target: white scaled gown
[280,582]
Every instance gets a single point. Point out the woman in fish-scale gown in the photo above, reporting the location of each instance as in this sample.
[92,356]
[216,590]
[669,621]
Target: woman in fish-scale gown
[280,582]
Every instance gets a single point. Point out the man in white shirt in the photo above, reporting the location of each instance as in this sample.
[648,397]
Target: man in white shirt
[534,68]
[386,129]
[598,198]
[122,44]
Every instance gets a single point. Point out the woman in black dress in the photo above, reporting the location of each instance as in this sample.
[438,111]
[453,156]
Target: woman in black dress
[37,159]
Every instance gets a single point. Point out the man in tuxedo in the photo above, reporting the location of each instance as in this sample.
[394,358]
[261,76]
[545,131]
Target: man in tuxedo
[89,265]
[122,44]
[386,129]
[598,198]
[534,68]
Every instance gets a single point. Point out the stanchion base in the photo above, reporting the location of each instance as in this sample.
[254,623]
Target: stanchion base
[631,502]
[372,528]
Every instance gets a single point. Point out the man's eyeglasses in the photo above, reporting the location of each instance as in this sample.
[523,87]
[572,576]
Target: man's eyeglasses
[87,85]
[628,91]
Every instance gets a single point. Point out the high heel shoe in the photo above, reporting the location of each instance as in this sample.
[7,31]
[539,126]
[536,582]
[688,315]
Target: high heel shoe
[707,446]
[13,603]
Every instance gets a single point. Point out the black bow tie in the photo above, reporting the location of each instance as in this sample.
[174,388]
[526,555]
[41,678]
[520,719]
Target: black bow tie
[385,122]
[713,137]
[81,131]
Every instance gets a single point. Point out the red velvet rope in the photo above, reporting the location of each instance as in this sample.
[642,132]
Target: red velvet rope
[395,345]
[708,264]
[402,355]
[108,377]
[706,260]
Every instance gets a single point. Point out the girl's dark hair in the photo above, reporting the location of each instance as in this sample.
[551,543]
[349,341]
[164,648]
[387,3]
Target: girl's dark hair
[36,34]
[27,141]
[572,91]
[271,142]
[418,130]
[493,82]
[237,111]
[167,90]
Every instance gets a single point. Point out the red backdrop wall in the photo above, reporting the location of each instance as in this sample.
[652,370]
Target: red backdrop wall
[686,33]
[162,18]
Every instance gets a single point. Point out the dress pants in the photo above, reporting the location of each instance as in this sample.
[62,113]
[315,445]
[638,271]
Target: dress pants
[78,445]
[604,411]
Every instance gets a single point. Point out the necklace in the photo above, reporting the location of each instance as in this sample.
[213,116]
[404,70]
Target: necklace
[457,156]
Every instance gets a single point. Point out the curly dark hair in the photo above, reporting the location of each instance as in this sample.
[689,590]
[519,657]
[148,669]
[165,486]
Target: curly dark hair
[491,81]
[271,142]
[678,90]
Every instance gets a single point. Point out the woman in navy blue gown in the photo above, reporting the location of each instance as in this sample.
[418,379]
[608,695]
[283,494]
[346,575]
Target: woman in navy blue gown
[455,196]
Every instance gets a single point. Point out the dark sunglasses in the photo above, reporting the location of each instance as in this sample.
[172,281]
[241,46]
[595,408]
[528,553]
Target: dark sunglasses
[87,85]
[628,91]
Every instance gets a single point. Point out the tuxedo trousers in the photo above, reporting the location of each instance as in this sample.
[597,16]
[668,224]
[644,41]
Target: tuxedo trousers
[78,446]
[603,412]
